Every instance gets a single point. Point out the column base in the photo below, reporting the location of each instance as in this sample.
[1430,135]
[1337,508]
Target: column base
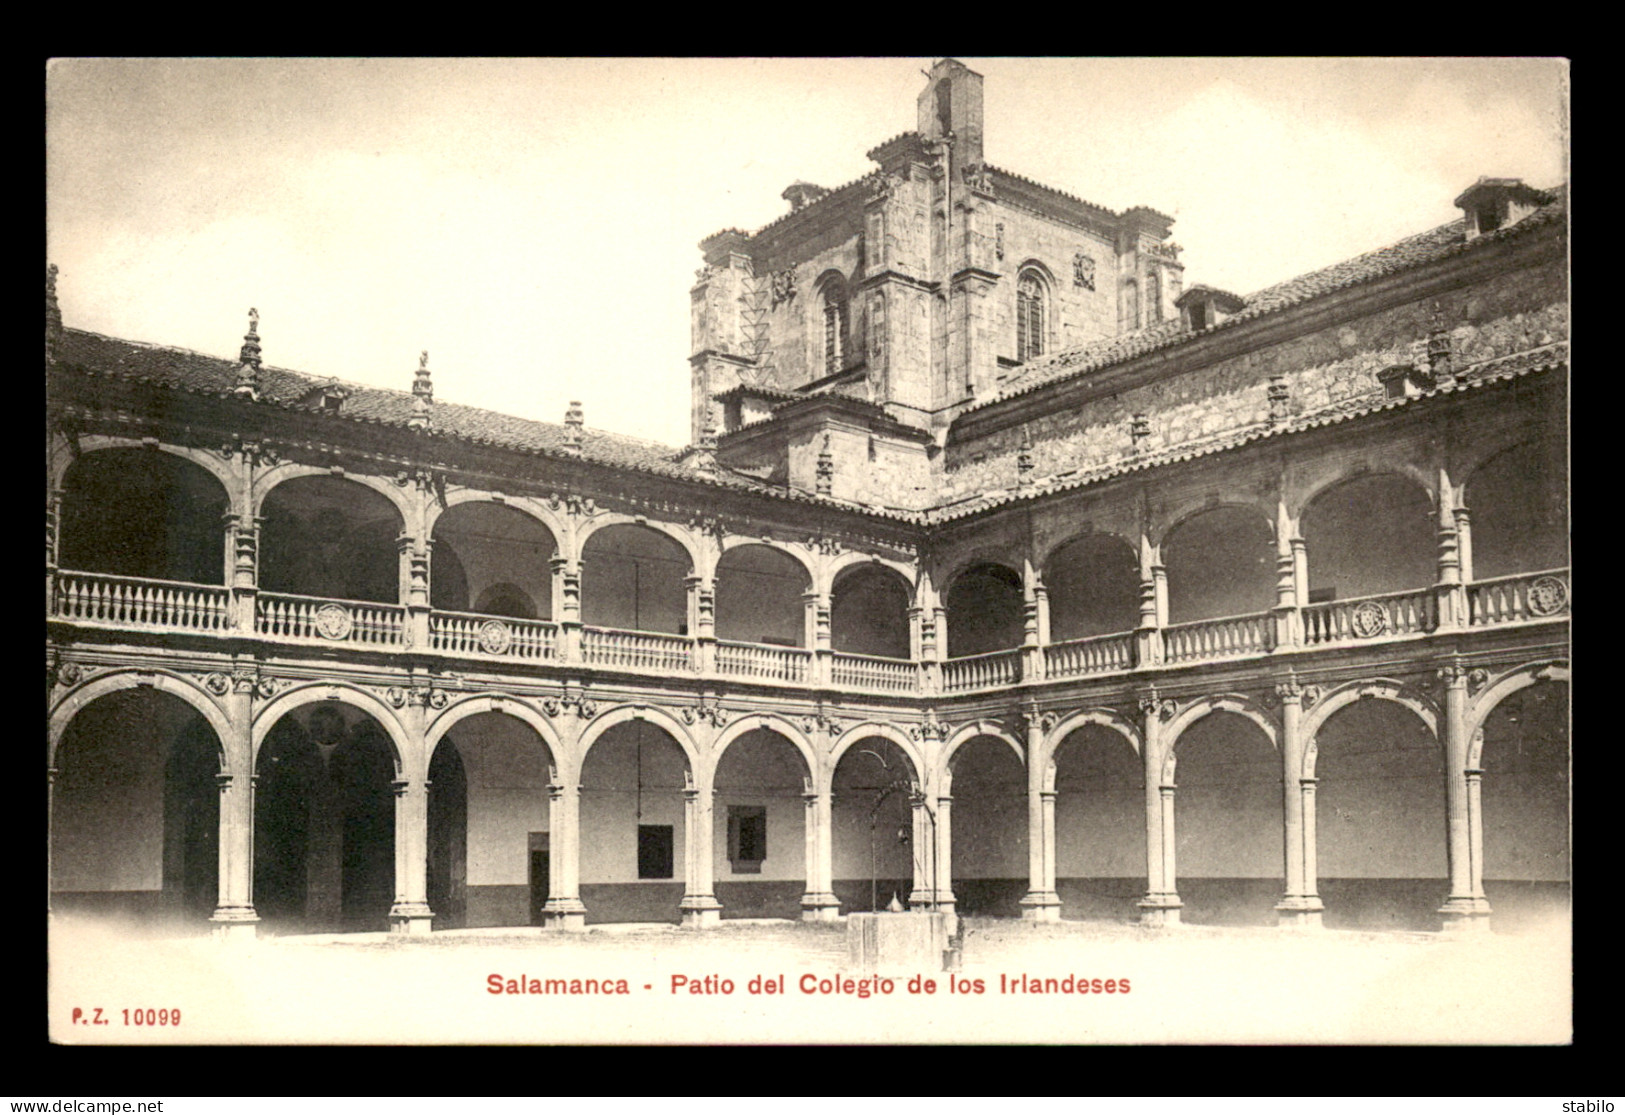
[1160,911]
[1041,905]
[1299,911]
[411,919]
[568,914]
[235,923]
[700,911]
[820,906]
[1465,915]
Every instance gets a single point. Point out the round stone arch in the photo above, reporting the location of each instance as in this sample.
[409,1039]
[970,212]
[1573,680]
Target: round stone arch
[625,714]
[1470,459]
[968,732]
[979,555]
[1182,513]
[769,722]
[1042,558]
[885,731]
[211,463]
[280,474]
[1105,717]
[1362,468]
[1382,689]
[1502,687]
[75,700]
[831,571]
[738,541]
[683,538]
[499,703]
[1224,702]
[532,508]
[315,693]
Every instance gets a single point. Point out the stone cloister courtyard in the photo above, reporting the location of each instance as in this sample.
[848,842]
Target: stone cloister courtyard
[790,982]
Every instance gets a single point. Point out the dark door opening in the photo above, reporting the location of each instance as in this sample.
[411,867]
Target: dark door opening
[540,877]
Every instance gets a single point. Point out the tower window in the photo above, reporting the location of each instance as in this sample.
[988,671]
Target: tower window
[1153,297]
[835,326]
[1029,317]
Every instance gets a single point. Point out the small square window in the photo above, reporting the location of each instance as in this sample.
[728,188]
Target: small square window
[747,838]
[654,851]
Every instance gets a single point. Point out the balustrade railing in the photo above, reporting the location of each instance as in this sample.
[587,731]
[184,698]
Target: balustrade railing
[758,660]
[1524,596]
[528,640]
[313,619]
[637,650]
[1371,617]
[979,671]
[863,671]
[1229,637]
[141,602]
[1099,654]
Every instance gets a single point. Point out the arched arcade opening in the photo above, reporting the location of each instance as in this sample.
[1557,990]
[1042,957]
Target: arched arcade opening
[492,560]
[985,610]
[988,829]
[324,821]
[143,513]
[1099,825]
[135,812]
[632,578]
[633,825]
[872,834]
[328,536]
[758,843]
[869,612]
[1228,822]
[1093,584]
[1525,797]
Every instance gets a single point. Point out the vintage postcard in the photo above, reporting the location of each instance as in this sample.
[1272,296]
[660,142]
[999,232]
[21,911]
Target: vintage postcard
[837,550]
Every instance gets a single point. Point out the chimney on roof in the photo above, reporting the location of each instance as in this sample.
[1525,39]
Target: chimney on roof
[573,421]
[422,394]
[248,366]
[53,314]
[1493,203]
[1203,306]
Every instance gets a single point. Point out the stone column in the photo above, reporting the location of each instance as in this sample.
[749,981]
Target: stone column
[244,569]
[1475,832]
[234,916]
[700,906]
[1161,905]
[1462,909]
[943,847]
[567,606]
[1040,903]
[1288,621]
[411,916]
[1450,593]
[53,526]
[1464,546]
[921,849]
[415,559]
[1032,642]
[816,608]
[818,903]
[702,622]
[50,832]
[1153,607]
[1299,907]
[1311,862]
[564,909]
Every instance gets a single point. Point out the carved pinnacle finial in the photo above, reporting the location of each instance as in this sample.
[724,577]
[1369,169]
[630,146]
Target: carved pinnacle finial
[574,419]
[422,394]
[248,367]
[1024,462]
[826,469]
[1440,359]
[53,313]
[705,456]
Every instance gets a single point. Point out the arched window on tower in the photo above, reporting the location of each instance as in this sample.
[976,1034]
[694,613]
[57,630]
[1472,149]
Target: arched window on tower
[835,325]
[1029,317]
[1153,297]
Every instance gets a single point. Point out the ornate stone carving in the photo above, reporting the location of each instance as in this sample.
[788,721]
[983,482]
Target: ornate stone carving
[978,178]
[822,544]
[495,636]
[1083,271]
[713,526]
[250,450]
[1548,596]
[1288,690]
[783,284]
[396,696]
[217,683]
[1311,694]
[998,240]
[1477,679]
[1368,620]
[69,674]
[552,706]
[266,688]
[930,728]
[438,698]
[575,504]
[333,621]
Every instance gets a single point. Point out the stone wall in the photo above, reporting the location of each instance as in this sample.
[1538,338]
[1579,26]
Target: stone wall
[1504,314]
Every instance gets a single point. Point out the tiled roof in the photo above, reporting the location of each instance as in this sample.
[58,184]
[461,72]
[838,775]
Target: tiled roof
[1413,251]
[210,375]
[1473,376]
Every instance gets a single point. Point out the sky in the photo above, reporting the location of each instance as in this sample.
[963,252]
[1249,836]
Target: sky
[534,224]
